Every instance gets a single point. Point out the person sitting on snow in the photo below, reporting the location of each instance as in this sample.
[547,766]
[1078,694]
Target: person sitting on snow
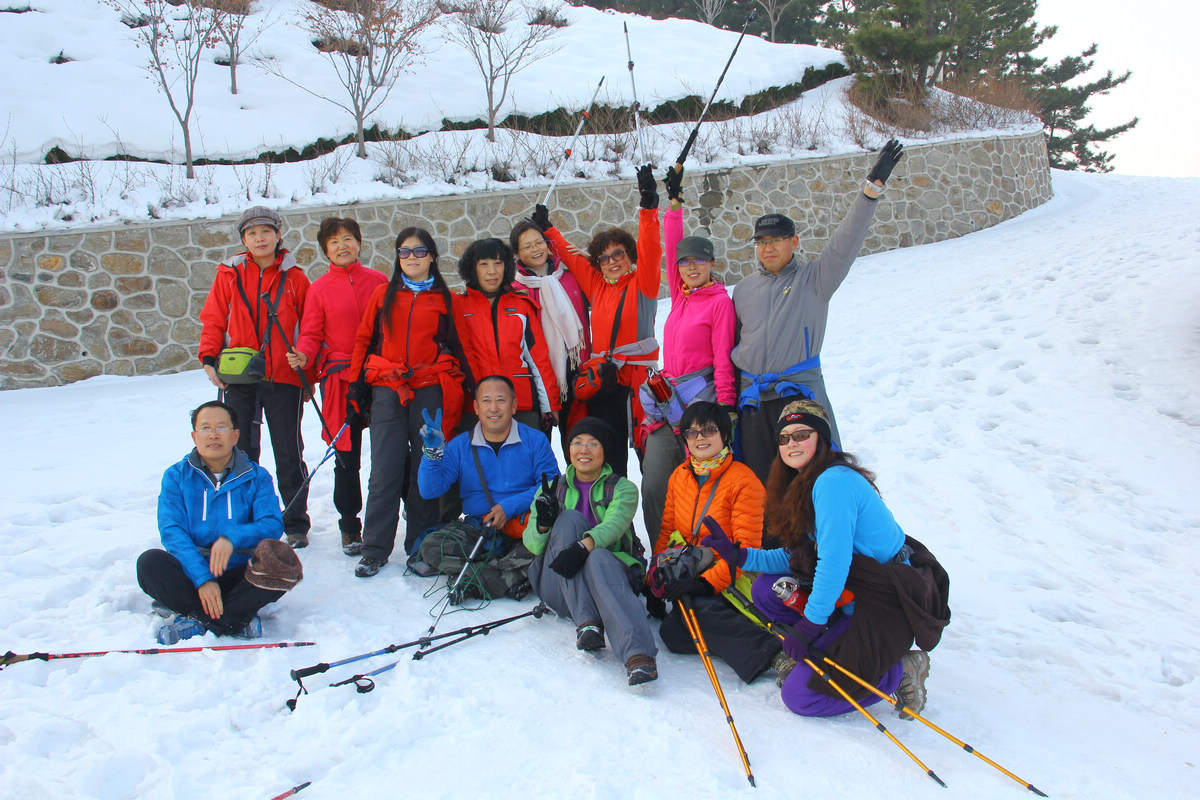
[219,519]
[497,466]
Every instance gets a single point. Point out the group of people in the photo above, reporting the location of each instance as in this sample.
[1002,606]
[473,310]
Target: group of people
[753,510]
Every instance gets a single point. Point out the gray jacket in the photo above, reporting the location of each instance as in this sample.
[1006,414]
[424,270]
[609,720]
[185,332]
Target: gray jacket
[781,317]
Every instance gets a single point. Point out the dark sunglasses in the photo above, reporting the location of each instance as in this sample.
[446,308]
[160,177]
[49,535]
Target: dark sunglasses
[708,431]
[604,259]
[795,436]
[418,252]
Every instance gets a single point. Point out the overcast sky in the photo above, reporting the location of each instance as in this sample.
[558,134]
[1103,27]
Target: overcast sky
[1155,39]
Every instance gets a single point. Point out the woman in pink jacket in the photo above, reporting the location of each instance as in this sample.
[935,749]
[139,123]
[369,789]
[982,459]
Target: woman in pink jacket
[697,342]
[332,313]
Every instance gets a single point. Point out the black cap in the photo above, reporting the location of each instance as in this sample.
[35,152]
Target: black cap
[694,247]
[774,225]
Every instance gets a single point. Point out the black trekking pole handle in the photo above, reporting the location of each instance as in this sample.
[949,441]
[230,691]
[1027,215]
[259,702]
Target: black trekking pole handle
[305,672]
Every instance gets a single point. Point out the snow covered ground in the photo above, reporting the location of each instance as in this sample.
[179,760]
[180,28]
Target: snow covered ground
[77,106]
[1027,397]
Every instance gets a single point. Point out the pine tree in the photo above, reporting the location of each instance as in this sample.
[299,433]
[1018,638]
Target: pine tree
[1071,143]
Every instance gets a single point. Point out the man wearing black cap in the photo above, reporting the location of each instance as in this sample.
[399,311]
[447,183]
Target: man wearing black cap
[782,310]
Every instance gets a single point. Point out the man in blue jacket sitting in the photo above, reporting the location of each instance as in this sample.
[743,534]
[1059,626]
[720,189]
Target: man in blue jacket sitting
[219,519]
[498,466]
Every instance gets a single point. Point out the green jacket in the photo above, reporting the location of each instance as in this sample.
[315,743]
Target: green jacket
[613,532]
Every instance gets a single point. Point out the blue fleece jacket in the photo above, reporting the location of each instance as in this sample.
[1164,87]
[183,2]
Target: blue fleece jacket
[193,512]
[851,518]
[513,475]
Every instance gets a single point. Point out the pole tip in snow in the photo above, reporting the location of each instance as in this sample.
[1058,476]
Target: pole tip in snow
[933,775]
[1036,790]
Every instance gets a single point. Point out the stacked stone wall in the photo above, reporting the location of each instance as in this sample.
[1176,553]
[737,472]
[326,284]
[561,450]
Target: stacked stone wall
[125,300]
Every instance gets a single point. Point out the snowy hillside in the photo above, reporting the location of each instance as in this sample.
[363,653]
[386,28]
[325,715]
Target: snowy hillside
[1027,397]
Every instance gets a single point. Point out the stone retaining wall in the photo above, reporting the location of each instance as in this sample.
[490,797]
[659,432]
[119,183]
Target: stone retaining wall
[125,300]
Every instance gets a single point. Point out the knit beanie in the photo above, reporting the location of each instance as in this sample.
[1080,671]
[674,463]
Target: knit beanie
[806,412]
[274,566]
[601,430]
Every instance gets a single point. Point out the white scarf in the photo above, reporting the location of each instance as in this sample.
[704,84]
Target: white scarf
[560,324]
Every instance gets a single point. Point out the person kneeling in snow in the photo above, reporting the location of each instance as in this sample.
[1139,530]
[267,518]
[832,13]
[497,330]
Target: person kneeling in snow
[496,465]
[219,519]
[589,563]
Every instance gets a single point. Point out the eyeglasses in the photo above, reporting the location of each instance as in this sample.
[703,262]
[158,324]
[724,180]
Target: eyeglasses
[699,262]
[769,241]
[795,436]
[415,252]
[582,445]
[615,255]
[708,431]
[208,430]
[527,248]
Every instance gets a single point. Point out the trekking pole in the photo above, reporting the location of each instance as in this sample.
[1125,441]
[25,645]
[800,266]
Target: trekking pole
[455,590]
[691,140]
[693,625]
[330,452]
[292,791]
[637,107]
[879,726]
[587,113]
[273,319]
[12,658]
[363,682]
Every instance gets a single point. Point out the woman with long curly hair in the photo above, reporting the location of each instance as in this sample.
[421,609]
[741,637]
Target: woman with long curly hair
[847,579]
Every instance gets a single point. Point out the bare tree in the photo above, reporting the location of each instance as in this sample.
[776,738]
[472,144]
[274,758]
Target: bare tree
[501,45]
[368,43]
[774,10]
[175,35]
[236,30]
[709,9]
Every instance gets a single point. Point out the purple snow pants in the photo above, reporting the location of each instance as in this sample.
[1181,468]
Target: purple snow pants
[796,694]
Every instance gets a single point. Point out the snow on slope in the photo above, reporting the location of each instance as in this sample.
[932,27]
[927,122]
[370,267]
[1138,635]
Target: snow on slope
[1026,396]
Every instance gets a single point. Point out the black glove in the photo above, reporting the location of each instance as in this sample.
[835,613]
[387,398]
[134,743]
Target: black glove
[358,399]
[645,179]
[673,181]
[889,156]
[570,560]
[541,217]
[688,587]
[546,506]
[655,607]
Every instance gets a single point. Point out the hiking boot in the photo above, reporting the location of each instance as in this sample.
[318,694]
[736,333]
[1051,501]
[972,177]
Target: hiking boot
[911,691]
[369,566]
[589,637]
[253,629]
[641,669]
[161,610]
[783,664]
[297,540]
[352,543]
[182,628]
[519,591]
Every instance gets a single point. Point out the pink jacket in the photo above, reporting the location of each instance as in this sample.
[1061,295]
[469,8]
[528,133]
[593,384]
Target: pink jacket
[700,327]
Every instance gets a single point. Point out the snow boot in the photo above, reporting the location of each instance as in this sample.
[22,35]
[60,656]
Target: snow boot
[519,591]
[783,664]
[352,543]
[297,540]
[182,628]
[911,691]
[369,566]
[641,669]
[253,629]
[589,637]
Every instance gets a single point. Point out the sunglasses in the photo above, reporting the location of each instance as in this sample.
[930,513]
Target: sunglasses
[687,262]
[415,252]
[614,255]
[795,436]
[708,431]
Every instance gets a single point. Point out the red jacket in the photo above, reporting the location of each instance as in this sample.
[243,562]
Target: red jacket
[505,338]
[229,320]
[639,286]
[334,308]
[420,349]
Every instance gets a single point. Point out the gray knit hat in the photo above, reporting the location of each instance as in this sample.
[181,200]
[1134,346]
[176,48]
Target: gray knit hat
[274,566]
[259,215]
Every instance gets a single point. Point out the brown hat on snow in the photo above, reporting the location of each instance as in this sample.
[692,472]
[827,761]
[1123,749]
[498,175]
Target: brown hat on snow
[274,566]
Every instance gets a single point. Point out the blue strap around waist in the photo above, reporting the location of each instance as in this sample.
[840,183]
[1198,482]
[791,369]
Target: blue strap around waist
[751,396]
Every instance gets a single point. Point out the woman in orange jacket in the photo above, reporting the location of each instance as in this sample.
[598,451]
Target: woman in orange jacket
[406,360]
[624,300]
[711,484]
[501,334]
